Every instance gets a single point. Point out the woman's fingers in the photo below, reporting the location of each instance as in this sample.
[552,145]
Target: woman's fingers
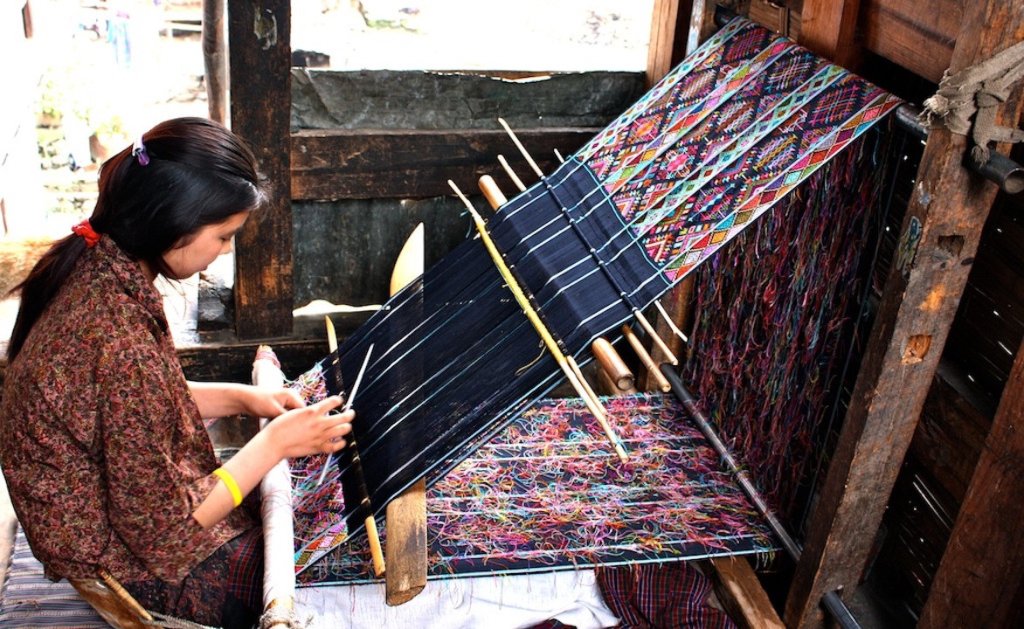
[336,426]
[289,399]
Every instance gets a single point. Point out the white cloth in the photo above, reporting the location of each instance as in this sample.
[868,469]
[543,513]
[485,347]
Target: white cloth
[493,602]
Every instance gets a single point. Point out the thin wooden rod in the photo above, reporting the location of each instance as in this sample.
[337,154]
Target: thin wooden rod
[671,324]
[831,601]
[649,329]
[511,173]
[645,358]
[522,149]
[742,476]
[376,551]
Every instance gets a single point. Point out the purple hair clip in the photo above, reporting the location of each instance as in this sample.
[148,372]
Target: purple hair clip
[139,151]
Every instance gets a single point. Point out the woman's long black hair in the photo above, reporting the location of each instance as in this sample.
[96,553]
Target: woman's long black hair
[199,173]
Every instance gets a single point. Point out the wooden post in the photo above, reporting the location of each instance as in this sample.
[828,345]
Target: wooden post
[260,77]
[980,576]
[939,239]
[215,60]
[827,27]
[406,515]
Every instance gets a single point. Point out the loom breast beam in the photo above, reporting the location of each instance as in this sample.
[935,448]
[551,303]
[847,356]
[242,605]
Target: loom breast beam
[571,371]
[372,535]
[276,511]
[613,365]
[644,323]
[406,515]
[495,197]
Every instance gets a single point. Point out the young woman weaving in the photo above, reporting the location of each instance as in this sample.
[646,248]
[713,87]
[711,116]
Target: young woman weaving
[101,437]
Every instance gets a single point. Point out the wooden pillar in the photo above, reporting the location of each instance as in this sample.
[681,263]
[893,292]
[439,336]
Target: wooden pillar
[939,239]
[980,576]
[260,79]
[828,27]
[215,60]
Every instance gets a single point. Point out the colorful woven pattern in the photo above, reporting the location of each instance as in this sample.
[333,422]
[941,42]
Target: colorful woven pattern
[543,496]
[713,146]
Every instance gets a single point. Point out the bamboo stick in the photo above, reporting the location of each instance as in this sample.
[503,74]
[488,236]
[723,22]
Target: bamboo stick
[646,359]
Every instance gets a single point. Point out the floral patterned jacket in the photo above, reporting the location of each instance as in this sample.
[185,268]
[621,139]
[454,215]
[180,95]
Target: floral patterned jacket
[102,445]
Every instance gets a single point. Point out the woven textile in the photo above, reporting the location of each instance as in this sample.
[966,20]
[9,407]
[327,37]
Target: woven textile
[711,148]
[541,496]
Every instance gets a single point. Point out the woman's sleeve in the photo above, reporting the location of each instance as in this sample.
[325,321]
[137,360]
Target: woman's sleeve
[152,495]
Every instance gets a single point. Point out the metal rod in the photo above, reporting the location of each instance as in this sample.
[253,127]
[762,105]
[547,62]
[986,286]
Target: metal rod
[690,404]
[839,611]
[831,601]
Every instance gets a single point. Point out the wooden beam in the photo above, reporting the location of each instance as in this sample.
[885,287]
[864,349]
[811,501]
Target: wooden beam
[828,27]
[939,240]
[981,573]
[920,41]
[260,58]
[741,594]
[359,164]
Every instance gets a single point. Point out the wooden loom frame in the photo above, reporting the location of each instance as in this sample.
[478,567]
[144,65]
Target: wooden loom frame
[911,326]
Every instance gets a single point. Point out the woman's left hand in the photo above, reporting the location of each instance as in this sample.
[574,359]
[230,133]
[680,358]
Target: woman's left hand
[271,402]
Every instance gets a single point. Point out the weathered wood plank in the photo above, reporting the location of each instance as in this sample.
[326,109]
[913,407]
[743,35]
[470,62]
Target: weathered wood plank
[828,28]
[980,576]
[920,298]
[741,594]
[918,40]
[345,250]
[426,101]
[950,435]
[354,164]
[260,56]
[232,361]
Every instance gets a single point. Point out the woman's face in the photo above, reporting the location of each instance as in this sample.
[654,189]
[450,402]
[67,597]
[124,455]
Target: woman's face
[195,254]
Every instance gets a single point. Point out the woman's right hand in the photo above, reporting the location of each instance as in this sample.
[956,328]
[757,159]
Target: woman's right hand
[312,429]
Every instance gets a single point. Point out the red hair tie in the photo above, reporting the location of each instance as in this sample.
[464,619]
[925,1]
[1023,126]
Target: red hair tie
[85,230]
